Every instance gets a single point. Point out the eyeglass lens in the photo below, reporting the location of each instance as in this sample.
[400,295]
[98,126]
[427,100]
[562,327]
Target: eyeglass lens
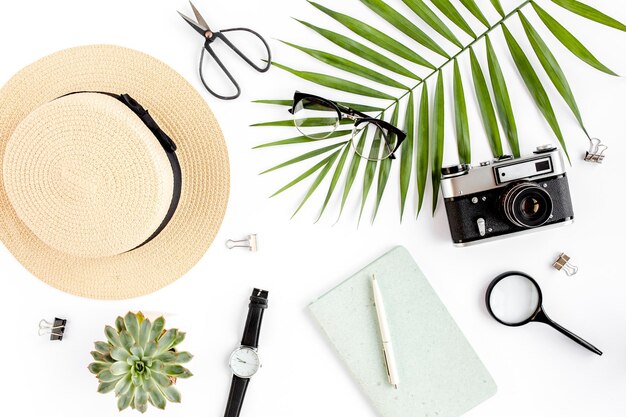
[373,142]
[315,118]
[514,299]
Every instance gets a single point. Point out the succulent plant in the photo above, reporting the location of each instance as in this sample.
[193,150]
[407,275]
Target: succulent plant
[139,363]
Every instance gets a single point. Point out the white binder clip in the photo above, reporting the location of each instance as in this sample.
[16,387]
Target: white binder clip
[596,151]
[250,242]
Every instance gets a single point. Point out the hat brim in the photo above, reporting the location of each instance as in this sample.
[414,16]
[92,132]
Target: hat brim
[181,112]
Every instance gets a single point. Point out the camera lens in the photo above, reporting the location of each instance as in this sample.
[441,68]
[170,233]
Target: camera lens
[527,205]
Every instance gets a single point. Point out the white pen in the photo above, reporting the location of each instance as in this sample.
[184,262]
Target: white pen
[385,335]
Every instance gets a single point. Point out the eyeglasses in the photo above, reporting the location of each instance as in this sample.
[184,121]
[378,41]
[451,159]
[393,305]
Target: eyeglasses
[318,118]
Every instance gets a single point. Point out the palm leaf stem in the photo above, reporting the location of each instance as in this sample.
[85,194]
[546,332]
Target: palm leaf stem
[452,58]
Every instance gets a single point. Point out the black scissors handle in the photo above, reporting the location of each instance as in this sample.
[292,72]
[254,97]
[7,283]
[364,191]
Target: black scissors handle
[223,38]
[241,54]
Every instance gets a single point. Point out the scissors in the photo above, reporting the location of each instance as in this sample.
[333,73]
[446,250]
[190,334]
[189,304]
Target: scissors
[210,36]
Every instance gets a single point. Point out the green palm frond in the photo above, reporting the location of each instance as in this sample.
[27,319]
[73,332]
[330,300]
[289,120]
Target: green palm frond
[393,79]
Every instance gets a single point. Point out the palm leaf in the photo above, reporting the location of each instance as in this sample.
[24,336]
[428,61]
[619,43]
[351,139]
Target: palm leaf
[404,25]
[318,180]
[361,50]
[384,168]
[370,170]
[375,36]
[436,138]
[590,13]
[335,180]
[306,174]
[552,68]
[453,14]
[502,99]
[423,11]
[352,171]
[534,85]
[406,158]
[386,63]
[423,142]
[485,104]
[475,10]
[349,66]
[302,139]
[356,106]
[498,7]
[304,157]
[460,118]
[569,41]
[336,83]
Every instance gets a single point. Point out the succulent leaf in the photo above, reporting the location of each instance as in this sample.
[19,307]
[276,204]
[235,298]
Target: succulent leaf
[141,399]
[183,357]
[156,396]
[137,352]
[166,357]
[97,367]
[126,399]
[166,341]
[150,349]
[107,376]
[171,393]
[144,333]
[123,385]
[119,324]
[127,340]
[120,354]
[161,379]
[112,336]
[132,325]
[177,371]
[157,328]
[120,368]
[106,387]
[102,347]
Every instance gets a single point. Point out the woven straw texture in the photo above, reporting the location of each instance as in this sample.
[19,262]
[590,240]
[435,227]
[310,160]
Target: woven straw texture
[82,248]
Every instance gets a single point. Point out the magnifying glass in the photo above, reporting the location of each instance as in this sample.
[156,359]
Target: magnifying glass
[514,299]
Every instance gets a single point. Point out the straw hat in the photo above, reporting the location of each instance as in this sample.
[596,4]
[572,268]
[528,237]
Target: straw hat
[93,199]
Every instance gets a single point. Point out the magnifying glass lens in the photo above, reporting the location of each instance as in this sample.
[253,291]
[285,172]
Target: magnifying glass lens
[514,299]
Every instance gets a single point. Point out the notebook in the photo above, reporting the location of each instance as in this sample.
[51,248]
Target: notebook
[440,374]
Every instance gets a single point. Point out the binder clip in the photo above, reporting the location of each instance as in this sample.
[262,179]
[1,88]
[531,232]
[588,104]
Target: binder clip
[250,242]
[563,263]
[596,151]
[55,329]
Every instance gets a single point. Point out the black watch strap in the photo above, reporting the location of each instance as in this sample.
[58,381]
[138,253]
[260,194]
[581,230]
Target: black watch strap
[258,304]
[235,398]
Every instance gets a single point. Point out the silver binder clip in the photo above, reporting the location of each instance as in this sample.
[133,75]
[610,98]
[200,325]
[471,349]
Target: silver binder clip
[563,263]
[55,329]
[250,242]
[596,151]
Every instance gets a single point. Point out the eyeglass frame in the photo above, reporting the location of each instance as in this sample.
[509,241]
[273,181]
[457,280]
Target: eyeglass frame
[356,116]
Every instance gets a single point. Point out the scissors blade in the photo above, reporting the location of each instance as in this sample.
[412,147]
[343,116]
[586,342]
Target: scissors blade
[193,24]
[199,17]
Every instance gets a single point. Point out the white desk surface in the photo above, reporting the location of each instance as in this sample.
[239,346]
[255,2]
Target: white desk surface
[538,371]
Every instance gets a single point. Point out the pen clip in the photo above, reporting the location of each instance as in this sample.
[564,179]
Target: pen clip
[387,365]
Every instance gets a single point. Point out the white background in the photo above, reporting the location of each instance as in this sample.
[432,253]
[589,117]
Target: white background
[538,371]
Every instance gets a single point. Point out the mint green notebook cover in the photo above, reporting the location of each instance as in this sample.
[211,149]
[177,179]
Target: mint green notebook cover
[440,374]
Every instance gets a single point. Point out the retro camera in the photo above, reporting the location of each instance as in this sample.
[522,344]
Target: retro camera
[506,196]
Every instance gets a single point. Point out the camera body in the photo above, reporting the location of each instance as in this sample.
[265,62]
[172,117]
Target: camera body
[506,196]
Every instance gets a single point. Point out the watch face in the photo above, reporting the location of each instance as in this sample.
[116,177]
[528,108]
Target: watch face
[244,362]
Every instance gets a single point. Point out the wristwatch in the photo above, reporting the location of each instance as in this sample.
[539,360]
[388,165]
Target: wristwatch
[244,361]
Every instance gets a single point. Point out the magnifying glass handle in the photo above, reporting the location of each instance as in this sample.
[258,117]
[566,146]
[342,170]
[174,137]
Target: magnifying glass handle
[542,317]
